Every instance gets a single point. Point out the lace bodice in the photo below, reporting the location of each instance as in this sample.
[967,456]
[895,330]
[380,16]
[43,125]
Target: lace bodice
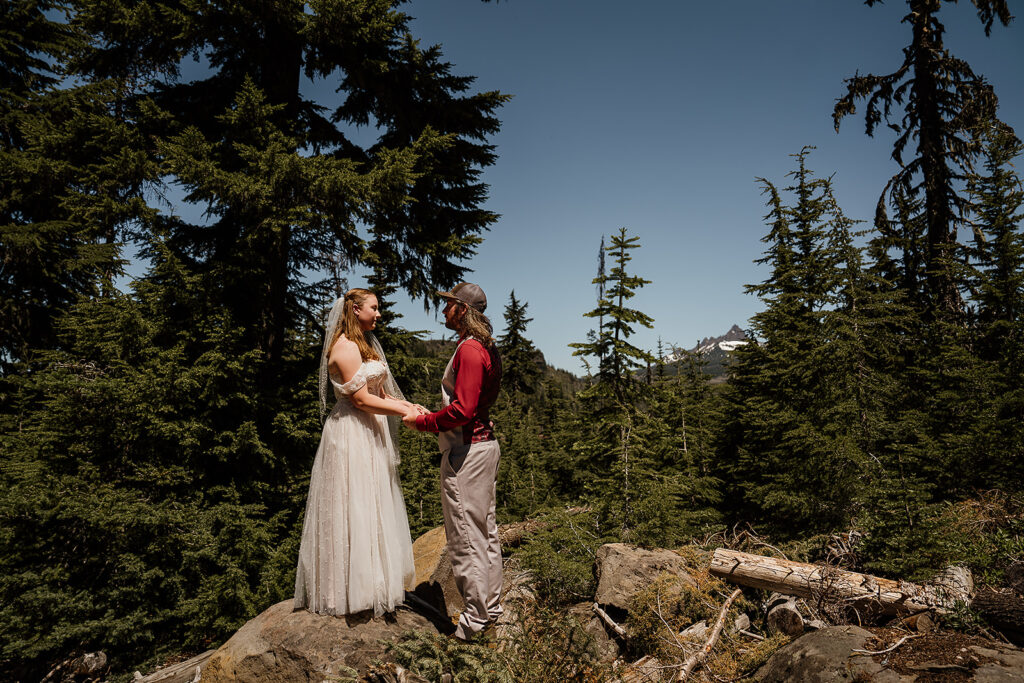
[370,374]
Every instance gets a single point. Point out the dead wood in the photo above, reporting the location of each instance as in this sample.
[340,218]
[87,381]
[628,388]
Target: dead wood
[182,672]
[619,631]
[888,649]
[1003,608]
[812,581]
[700,655]
[784,617]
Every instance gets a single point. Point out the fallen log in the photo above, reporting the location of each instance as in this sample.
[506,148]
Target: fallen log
[783,615]
[182,672]
[895,598]
[1004,609]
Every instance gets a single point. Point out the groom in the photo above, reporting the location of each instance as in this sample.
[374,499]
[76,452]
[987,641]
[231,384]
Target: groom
[469,457]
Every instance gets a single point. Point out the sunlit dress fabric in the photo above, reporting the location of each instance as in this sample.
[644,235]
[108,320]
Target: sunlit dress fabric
[356,552]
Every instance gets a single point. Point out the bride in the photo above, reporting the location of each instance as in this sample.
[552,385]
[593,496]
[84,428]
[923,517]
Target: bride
[356,552]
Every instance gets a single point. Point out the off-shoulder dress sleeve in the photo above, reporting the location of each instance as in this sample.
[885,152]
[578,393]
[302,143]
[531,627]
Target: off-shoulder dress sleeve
[350,387]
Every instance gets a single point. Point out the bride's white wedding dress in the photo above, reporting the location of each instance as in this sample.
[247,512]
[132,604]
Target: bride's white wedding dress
[356,552]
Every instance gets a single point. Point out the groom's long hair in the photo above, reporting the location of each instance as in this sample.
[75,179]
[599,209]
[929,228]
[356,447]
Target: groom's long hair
[477,325]
[349,324]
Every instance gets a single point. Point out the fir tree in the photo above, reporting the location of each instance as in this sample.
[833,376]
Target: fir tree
[69,163]
[144,436]
[520,367]
[618,358]
[280,179]
[999,250]
[611,458]
[945,107]
[795,443]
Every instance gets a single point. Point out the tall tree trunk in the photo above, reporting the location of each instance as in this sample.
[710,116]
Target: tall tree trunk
[927,43]
[280,72]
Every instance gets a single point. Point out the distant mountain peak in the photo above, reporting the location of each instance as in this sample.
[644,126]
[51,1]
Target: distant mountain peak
[727,342]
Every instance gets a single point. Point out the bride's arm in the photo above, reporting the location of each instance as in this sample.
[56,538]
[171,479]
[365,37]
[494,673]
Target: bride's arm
[346,360]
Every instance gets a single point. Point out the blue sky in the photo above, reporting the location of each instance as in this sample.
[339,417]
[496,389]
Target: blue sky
[658,116]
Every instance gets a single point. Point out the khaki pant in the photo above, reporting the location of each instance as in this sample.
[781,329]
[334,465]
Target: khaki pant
[467,499]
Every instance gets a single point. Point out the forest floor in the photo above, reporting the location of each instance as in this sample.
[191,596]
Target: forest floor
[936,657]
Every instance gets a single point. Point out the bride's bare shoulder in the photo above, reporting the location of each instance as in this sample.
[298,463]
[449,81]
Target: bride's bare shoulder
[345,353]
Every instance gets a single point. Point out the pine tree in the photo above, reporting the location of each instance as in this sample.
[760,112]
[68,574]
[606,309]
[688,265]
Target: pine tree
[520,368]
[999,248]
[945,107]
[799,391]
[611,457]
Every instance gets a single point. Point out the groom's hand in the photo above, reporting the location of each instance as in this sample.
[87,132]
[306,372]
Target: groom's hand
[409,419]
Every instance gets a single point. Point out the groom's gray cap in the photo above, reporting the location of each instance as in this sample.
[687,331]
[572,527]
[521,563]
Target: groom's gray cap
[467,293]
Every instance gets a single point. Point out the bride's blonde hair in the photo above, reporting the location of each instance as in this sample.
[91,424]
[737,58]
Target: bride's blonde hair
[349,323]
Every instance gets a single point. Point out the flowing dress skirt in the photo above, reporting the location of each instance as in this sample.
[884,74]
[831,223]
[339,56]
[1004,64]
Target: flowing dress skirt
[356,551]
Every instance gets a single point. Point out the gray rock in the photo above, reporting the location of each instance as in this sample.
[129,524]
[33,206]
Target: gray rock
[434,582]
[741,623]
[606,648]
[825,656]
[283,645]
[90,664]
[1008,665]
[624,570]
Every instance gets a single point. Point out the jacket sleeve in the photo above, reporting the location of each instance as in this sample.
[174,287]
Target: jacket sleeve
[469,369]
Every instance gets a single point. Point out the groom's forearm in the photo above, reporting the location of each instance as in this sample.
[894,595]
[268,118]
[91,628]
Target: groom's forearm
[469,378]
[441,421]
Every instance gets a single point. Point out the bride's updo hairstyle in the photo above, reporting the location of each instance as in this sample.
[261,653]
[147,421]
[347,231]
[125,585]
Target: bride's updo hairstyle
[349,324]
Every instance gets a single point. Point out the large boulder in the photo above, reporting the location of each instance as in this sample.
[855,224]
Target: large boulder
[624,570]
[435,583]
[826,656]
[282,645]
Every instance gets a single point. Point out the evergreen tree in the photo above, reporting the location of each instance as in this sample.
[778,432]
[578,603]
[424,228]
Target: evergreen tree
[611,457]
[618,358]
[687,416]
[69,166]
[520,367]
[999,248]
[799,390]
[945,107]
[143,510]
[278,174]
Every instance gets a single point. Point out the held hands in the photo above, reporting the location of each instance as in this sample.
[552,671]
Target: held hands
[414,411]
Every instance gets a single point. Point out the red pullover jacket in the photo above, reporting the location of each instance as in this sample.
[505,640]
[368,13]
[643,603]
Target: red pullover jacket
[477,372]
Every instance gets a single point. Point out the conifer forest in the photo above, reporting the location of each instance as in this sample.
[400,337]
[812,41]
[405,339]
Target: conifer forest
[156,437]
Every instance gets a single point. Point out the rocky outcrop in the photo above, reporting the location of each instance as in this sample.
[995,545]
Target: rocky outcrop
[836,653]
[825,656]
[284,645]
[624,570]
[999,663]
